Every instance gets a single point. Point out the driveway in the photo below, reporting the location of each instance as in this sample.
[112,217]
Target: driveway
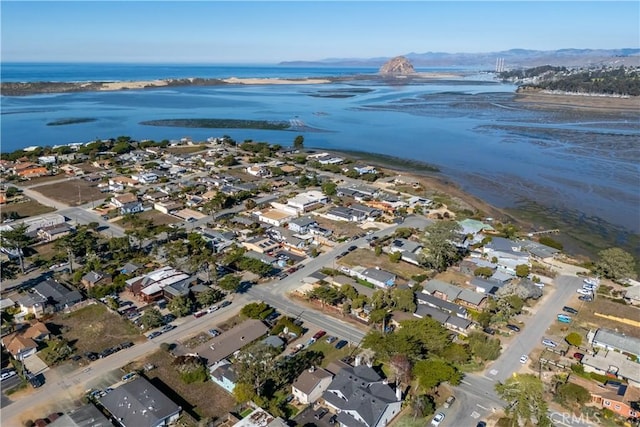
[35,365]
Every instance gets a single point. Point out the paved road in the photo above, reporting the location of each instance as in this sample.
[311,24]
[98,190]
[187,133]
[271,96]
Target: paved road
[476,395]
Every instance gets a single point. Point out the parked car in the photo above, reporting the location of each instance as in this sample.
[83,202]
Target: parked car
[199,313]
[524,359]
[570,310]
[587,298]
[437,419]
[319,335]
[126,345]
[129,376]
[449,401]
[578,356]
[91,355]
[514,328]
[564,318]
[214,332]
[549,343]
[321,413]
[333,419]
[489,331]
[152,335]
[341,344]
[331,339]
[591,281]
[7,374]
[352,248]
[584,292]
[224,304]
[167,328]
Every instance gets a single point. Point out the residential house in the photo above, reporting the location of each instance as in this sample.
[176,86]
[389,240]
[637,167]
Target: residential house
[138,403]
[261,244]
[29,170]
[620,398]
[632,295]
[120,201]
[470,299]
[473,227]
[302,225]
[486,286]
[129,268]
[260,418]
[311,384]
[308,201]
[411,251]
[168,207]
[446,306]
[368,211]
[19,346]
[613,364]
[224,345]
[85,416]
[362,398]
[31,303]
[538,250]
[149,286]
[131,208]
[224,374]
[146,178]
[219,239]
[56,296]
[445,318]
[42,221]
[96,278]
[341,213]
[267,259]
[468,266]
[274,217]
[505,250]
[325,159]
[122,181]
[442,290]
[54,232]
[260,171]
[375,276]
[612,340]
[364,170]
[47,160]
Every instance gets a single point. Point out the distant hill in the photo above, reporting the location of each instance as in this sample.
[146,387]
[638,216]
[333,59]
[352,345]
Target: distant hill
[513,58]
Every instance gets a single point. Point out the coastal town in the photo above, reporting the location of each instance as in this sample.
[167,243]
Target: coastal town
[250,284]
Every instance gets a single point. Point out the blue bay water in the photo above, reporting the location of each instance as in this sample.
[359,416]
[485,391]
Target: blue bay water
[469,127]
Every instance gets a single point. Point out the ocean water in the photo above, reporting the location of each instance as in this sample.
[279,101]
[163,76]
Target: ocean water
[470,127]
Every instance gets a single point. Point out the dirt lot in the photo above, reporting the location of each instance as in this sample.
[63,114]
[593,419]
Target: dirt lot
[207,400]
[340,228]
[94,328]
[452,276]
[27,208]
[367,258]
[73,193]
[588,318]
[157,217]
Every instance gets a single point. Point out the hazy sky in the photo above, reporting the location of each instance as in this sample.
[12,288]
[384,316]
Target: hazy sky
[270,32]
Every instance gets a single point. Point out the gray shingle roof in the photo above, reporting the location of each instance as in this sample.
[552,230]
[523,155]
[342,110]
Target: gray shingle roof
[616,340]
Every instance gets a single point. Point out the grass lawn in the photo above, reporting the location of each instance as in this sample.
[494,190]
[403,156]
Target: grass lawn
[94,328]
[201,400]
[368,258]
[27,208]
[331,353]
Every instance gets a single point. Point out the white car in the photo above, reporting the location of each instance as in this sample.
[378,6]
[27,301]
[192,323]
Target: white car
[549,343]
[437,419]
[584,292]
[591,281]
[524,359]
[8,374]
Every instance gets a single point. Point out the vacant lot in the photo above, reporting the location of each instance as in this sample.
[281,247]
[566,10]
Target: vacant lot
[27,208]
[587,317]
[330,352]
[73,193]
[367,258]
[340,228]
[157,217]
[452,276]
[206,400]
[94,328]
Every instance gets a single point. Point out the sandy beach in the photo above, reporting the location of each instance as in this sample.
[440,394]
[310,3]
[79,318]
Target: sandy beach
[133,85]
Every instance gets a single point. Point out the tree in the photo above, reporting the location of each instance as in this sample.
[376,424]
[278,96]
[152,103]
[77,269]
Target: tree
[522,270]
[256,310]
[395,256]
[570,393]
[378,250]
[616,264]
[229,282]
[250,204]
[401,366]
[484,347]
[244,392]
[422,406]
[485,272]
[431,373]
[151,318]
[525,397]
[574,339]
[17,239]
[298,142]
[439,252]
[256,364]
[180,306]
[329,188]
[208,297]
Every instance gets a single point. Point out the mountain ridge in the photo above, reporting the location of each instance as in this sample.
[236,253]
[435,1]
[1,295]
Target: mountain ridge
[513,58]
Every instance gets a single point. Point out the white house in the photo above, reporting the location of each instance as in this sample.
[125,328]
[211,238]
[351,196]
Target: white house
[310,385]
[307,201]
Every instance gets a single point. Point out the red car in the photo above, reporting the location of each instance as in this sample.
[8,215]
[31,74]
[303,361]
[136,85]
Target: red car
[319,335]
[578,356]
